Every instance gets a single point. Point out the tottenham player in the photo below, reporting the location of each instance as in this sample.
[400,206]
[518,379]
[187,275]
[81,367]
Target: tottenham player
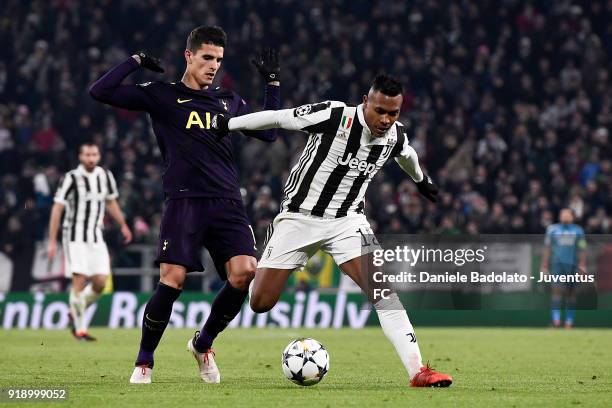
[203,203]
[323,201]
[84,194]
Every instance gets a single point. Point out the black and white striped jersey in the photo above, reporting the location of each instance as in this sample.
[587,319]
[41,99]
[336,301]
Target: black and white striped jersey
[340,159]
[84,195]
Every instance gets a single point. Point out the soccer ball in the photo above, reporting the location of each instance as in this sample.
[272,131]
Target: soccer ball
[305,361]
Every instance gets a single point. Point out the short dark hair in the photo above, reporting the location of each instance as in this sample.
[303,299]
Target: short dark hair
[387,85]
[87,144]
[206,35]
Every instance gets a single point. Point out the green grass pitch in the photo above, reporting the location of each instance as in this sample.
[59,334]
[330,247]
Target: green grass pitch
[490,366]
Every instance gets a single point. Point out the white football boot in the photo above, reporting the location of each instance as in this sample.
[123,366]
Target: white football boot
[142,375]
[209,372]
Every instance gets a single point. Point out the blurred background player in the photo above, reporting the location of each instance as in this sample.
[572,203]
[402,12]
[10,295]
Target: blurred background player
[564,254]
[84,195]
[203,202]
[324,202]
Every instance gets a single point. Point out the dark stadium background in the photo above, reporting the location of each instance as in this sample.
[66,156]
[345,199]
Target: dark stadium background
[509,105]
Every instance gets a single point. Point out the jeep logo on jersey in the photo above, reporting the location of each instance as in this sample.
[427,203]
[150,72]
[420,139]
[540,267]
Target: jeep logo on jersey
[355,163]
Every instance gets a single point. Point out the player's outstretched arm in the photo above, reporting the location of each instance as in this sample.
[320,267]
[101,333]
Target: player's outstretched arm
[308,118]
[108,88]
[263,120]
[408,160]
[280,119]
[267,119]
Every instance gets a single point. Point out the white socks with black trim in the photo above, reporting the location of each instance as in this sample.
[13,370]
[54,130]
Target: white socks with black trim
[79,303]
[77,308]
[398,329]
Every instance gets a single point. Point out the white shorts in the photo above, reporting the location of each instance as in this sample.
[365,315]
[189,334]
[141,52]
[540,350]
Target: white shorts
[86,258]
[296,237]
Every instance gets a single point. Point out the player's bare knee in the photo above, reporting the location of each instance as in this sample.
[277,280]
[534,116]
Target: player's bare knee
[97,287]
[241,279]
[172,275]
[78,282]
[240,272]
[260,304]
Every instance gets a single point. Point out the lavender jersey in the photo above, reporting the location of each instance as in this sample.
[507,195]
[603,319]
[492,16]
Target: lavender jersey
[197,161]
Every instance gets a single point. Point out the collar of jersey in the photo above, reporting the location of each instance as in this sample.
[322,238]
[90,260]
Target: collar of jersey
[216,90]
[362,119]
[185,88]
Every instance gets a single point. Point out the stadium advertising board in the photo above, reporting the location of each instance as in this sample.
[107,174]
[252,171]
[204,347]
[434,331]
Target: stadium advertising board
[125,309]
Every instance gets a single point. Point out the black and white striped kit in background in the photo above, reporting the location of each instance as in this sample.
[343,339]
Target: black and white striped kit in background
[84,195]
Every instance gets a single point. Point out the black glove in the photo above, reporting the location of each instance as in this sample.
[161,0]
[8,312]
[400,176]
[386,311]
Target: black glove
[149,62]
[220,124]
[428,189]
[267,64]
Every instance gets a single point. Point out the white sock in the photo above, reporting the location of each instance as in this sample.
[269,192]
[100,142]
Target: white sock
[90,295]
[398,329]
[77,307]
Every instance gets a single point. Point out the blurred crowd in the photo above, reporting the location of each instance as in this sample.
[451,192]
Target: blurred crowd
[509,104]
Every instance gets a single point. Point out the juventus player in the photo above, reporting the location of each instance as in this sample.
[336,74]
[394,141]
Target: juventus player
[323,201]
[85,193]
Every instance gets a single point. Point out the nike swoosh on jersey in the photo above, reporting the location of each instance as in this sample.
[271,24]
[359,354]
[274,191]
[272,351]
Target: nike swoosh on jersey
[179,100]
